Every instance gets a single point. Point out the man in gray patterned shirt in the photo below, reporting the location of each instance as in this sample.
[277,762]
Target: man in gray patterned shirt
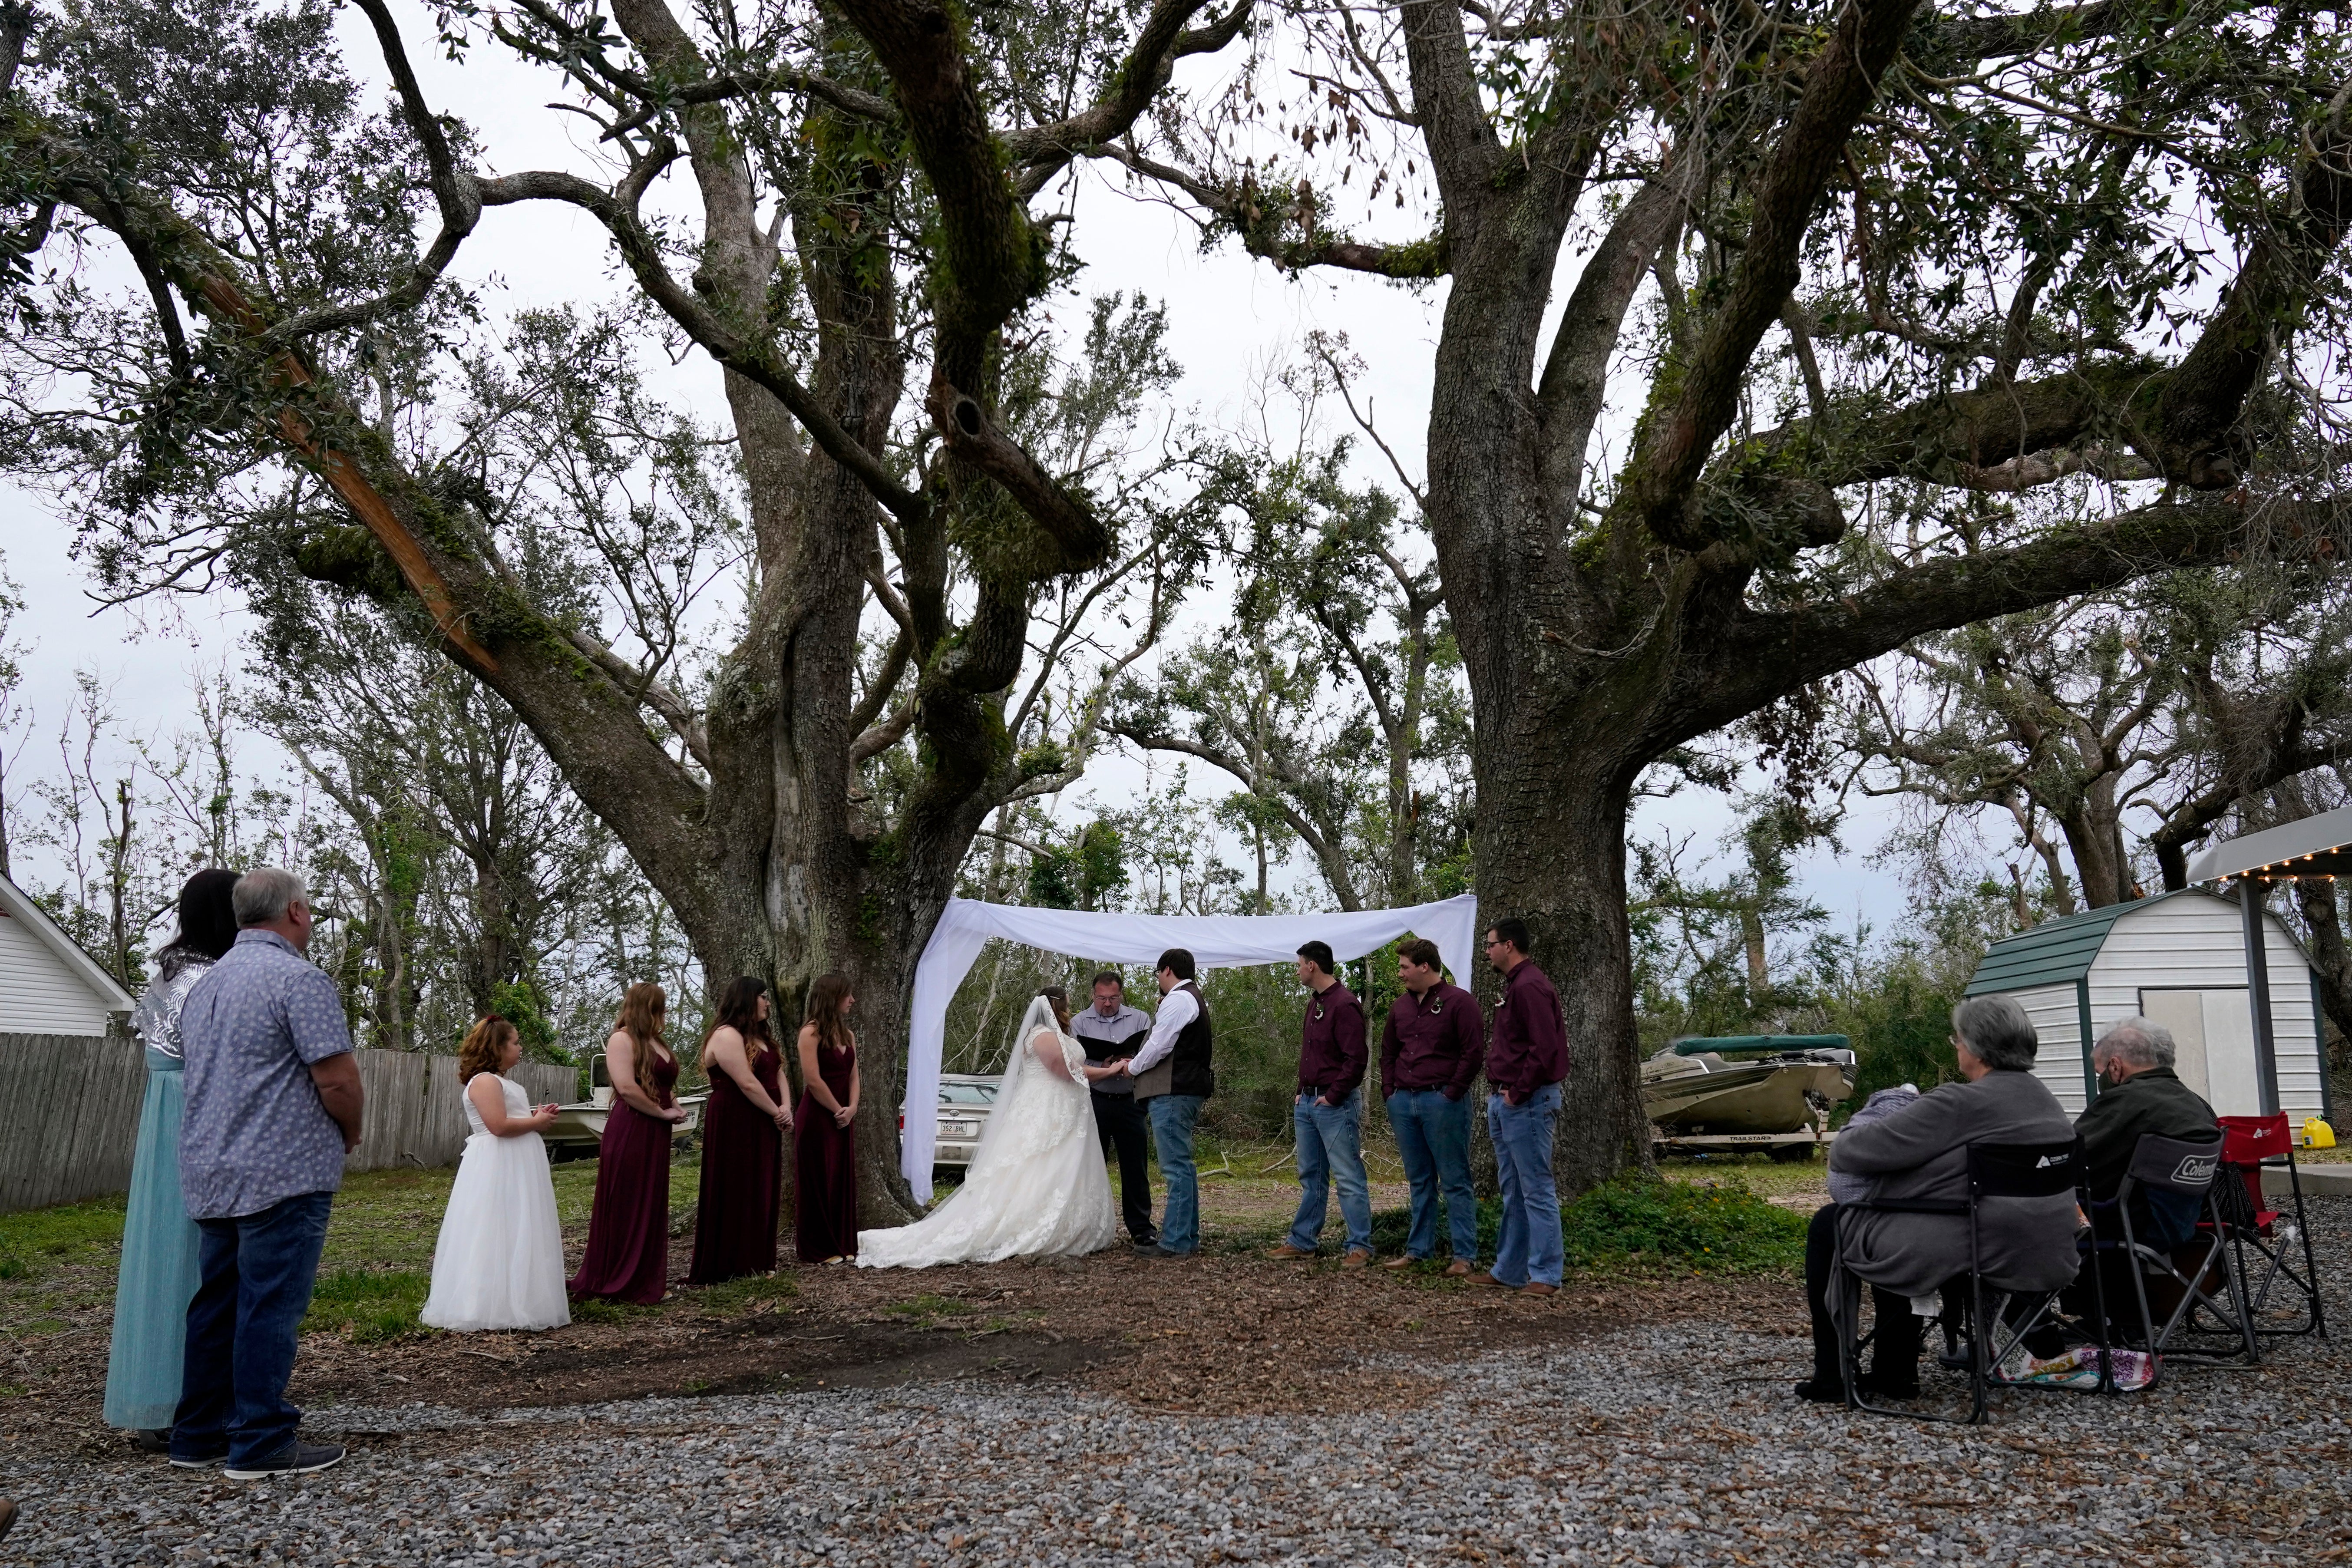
[273,1106]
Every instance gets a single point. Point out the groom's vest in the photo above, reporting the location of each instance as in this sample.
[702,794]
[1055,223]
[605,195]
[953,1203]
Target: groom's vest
[1185,1070]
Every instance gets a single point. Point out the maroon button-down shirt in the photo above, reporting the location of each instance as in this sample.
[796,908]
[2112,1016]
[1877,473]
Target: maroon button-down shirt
[1434,1042]
[1529,1048]
[1331,1049]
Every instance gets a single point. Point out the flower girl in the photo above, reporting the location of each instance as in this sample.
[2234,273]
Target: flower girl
[500,1261]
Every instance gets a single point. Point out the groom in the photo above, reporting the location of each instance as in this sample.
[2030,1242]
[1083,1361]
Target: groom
[1172,1080]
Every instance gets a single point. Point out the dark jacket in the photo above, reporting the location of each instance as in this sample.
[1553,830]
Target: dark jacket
[2155,1100]
[1921,1153]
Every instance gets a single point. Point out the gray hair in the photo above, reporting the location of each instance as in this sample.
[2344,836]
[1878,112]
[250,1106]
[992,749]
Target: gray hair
[265,893]
[2137,1041]
[1997,1029]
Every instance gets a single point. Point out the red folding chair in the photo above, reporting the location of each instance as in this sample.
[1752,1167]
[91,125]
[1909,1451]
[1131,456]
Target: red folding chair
[2249,1145]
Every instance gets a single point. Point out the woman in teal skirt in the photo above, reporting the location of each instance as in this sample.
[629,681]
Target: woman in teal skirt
[159,1239]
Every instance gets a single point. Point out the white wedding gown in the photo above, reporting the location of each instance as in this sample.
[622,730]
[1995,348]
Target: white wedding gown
[500,1261]
[1036,1186]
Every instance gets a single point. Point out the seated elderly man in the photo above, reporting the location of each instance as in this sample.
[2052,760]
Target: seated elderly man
[1920,1155]
[2139,1093]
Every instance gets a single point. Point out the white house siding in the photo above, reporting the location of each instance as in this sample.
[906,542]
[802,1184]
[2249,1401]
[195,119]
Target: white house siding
[39,994]
[2056,1012]
[2198,942]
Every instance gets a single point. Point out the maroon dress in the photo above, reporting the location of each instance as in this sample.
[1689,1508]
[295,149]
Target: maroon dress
[825,1161]
[743,1178]
[628,1229]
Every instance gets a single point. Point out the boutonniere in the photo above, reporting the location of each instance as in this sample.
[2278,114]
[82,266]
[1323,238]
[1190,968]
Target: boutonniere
[1437,1006]
[1318,1009]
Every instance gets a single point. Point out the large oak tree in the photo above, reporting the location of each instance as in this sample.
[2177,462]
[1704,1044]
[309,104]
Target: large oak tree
[1903,258]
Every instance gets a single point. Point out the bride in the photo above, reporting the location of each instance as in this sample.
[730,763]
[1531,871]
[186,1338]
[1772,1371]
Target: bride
[1036,1186]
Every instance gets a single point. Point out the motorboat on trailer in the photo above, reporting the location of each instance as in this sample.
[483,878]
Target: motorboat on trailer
[1724,1094]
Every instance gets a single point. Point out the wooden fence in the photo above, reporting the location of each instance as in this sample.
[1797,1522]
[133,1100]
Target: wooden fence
[69,1113]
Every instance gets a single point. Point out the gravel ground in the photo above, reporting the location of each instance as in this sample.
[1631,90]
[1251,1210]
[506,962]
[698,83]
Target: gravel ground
[1664,1443]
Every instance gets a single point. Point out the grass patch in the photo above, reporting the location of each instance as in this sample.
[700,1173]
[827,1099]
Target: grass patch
[745,1295]
[925,1311]
[596,1310]
[368,1304]
[1719,1228]
[33,1239]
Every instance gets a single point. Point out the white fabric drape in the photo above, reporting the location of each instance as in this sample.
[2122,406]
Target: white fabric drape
[1216,941]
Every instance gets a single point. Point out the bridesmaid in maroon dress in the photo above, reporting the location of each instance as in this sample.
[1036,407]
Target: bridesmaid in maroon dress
[628,1229]
[825,1152]
[743,1157]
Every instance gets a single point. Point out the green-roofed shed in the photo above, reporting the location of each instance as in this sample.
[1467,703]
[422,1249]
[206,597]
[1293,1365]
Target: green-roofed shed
[2178,959]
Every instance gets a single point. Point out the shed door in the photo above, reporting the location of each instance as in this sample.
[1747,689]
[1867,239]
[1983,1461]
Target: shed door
[2214,1033]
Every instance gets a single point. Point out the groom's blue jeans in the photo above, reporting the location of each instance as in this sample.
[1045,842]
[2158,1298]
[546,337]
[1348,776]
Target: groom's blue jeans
[1331,1152]
[1172,1116]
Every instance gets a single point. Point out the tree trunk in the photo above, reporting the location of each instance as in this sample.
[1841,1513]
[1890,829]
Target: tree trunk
[1751,937]
[2331,958]
[1562,870]
[2094,838]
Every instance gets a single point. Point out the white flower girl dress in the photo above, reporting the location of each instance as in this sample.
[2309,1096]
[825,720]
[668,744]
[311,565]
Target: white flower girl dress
[500,1261]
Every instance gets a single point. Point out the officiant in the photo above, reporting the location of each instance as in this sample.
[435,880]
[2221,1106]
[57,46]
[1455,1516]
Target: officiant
[1109,1030]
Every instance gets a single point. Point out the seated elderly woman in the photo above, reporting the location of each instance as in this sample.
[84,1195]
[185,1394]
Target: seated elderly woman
[1920,1153]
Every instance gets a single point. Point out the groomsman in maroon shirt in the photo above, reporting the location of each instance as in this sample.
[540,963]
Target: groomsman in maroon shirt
[1526,1059]
[1327,1115]
[1429,1051]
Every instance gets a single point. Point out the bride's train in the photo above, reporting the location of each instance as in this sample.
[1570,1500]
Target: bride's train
[1036,1186]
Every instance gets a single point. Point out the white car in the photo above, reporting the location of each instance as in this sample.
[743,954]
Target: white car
[965,1100]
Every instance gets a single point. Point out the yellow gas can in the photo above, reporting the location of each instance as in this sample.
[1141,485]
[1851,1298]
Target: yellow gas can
[2317,1134]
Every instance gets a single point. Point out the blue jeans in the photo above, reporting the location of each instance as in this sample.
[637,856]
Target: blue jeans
[256,1273]
[1528,1250]
[1331,1150]
[1172,1116]
[1433,1136]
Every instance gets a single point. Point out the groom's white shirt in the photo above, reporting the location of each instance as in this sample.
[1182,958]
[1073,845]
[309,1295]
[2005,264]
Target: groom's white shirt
[1176,1010]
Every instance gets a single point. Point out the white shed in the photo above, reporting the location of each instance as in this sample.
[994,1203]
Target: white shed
[47,984]
[2178,959]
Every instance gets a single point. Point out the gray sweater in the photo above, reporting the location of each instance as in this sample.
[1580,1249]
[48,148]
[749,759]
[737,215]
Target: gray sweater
[1921,1153]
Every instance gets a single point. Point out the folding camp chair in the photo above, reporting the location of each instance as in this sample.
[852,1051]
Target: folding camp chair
[2186,1168]
[1994,1334]
[2249,1144]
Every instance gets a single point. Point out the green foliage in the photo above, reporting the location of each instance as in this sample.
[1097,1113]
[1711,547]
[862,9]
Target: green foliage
[1710,1228]
[521,1003]
[1641,1222]
[1253,1014]
[1052,878]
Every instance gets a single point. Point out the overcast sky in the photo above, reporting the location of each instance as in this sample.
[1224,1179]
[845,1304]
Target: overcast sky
[1233,318]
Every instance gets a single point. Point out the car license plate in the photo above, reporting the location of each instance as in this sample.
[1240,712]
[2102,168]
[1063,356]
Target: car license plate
[956,1131]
